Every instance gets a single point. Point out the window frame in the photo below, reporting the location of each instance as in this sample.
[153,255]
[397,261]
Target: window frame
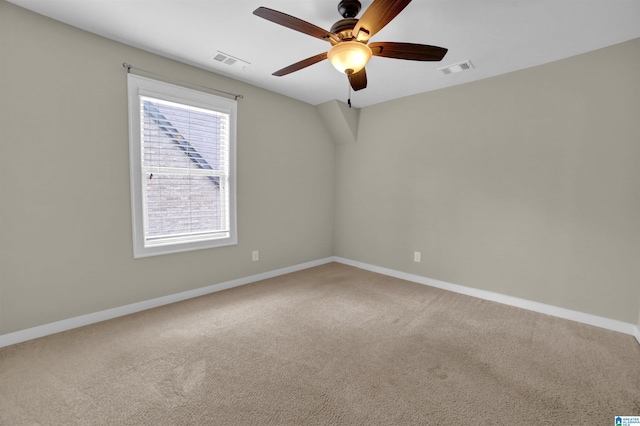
[138,87]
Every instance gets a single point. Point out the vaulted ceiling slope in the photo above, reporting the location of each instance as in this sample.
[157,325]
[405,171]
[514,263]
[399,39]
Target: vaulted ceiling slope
[497,36]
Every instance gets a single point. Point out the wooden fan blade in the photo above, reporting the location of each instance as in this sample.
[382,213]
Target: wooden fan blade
[294,23]
[300,65]
[358,80]
[408,51]
[377,15]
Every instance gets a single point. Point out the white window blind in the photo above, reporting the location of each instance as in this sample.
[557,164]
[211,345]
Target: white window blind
[183,170]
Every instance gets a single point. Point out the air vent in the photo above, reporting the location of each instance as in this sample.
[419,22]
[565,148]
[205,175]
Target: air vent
[232,61]
[460,66]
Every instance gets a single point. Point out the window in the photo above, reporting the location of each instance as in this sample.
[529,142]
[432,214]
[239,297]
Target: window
[182,160]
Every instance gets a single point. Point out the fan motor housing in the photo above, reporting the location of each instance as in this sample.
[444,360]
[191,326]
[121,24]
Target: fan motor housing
[343,27]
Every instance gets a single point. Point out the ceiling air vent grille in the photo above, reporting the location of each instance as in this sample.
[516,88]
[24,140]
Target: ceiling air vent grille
[232,61]
[454,68]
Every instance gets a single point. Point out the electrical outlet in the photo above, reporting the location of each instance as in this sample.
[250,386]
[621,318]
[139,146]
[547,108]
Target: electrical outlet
[255,255]
[416,256]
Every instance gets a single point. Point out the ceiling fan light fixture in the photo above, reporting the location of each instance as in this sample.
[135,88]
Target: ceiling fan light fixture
[349,56]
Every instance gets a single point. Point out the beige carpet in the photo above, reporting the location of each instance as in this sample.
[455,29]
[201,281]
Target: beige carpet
[328,345]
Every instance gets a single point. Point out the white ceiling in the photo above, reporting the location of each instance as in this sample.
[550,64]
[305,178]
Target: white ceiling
[498,36]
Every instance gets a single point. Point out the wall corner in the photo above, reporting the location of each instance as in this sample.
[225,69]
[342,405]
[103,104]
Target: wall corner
[340,120]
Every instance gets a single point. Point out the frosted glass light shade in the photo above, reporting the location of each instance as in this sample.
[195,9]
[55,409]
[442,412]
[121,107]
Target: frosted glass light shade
[349,55]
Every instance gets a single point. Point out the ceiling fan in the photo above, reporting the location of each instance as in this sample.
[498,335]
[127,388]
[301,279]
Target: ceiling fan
[349,37]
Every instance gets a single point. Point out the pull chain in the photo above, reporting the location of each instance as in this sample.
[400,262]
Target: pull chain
[349,97]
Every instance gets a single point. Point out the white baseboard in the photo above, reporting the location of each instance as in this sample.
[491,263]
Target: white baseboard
[607,323]
[75,322]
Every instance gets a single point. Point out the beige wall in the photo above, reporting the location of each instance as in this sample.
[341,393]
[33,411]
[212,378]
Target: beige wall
[65,230]
[524,184]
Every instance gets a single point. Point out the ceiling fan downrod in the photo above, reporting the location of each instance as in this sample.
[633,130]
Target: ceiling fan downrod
[349,8]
